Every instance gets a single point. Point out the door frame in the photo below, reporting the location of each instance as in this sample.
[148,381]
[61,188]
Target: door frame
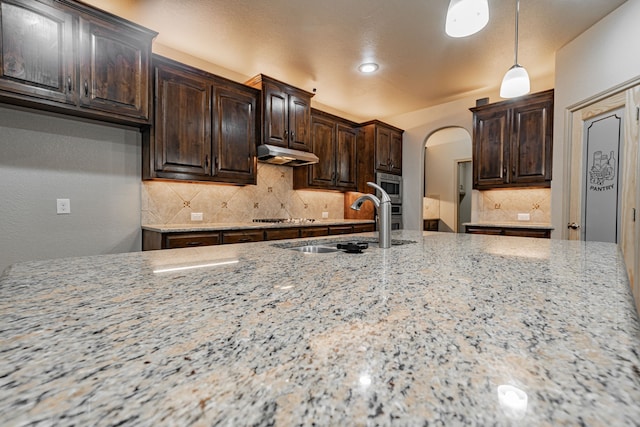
[627,96]
[456,186]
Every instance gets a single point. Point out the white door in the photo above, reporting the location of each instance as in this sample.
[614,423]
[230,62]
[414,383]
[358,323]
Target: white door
[601,177]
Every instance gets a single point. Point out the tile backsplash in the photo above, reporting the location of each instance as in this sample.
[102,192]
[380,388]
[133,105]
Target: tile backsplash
[172,202]
[505,205]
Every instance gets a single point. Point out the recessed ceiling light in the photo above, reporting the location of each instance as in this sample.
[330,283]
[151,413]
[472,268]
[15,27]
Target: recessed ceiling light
[368,67]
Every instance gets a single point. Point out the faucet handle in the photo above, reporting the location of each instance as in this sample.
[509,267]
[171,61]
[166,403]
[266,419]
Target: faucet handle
[384,197]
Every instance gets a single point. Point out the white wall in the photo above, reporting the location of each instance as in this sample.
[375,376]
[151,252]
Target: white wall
[604,56]
[97,167]
[443,149]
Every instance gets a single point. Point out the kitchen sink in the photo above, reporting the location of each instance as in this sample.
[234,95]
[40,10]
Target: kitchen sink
[314,249]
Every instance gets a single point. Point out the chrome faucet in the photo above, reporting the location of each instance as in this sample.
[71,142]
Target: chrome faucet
[384,213]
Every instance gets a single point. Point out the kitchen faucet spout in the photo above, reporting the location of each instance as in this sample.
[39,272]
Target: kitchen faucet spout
[383,204]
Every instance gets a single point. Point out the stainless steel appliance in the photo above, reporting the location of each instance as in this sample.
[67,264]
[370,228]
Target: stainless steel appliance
[396,216]
[392,185]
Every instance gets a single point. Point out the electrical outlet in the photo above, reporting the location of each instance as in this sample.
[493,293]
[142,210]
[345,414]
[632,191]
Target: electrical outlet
[63,206]
[196,216]
[524,217]
[325,215]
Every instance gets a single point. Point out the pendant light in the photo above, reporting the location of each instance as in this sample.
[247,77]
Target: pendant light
[516,80]
[466,17]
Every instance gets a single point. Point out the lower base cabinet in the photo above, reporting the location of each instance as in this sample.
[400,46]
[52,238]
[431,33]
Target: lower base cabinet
[542,233]
[154,240]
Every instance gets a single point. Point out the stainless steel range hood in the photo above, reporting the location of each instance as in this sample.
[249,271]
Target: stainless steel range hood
[285,156]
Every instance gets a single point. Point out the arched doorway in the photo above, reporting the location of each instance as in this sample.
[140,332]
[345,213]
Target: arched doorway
[447,178]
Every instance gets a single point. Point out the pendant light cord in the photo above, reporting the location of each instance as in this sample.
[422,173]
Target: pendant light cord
[517,16]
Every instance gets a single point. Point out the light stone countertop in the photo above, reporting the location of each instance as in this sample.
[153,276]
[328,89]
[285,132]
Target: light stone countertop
[425,333]
[170,228]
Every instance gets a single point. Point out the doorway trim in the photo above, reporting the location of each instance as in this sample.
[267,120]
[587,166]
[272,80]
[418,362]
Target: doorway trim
[456,186]
[627,96]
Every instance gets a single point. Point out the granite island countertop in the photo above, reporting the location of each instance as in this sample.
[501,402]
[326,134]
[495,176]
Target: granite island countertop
[422,333]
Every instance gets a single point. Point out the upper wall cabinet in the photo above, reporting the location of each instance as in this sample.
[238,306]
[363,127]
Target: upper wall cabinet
[205,127]
[333,140]
[513,142]
[379,150]
[67,57]
[286,113]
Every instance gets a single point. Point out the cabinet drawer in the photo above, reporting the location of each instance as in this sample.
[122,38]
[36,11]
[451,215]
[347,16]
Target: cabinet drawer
[340,229]
[514,232]
[242,236]
[284,233]
[430,224]
[314,231]
[363,228]
[484,230]
[523,232]
[187,240]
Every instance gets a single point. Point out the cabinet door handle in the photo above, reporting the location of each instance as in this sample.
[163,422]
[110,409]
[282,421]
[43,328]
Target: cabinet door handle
[206,161]
[293,134]
[194,243]
[69,83]
[215,162]
[573,226]
[86,88]
[285,136]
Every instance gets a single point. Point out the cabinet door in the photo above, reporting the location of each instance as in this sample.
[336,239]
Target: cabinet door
[234,135]
[276,127]
[37,51]
[382,144]
[114,69]
[531,143]
[490,149]
[395,153]
[299,119]
[345,157]
[182,123]
[323,146]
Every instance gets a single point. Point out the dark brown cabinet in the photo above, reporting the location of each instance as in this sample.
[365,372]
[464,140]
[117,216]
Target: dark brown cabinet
[114,69]
[430,224]
[152,240]
[333,140]
[242,236]
[67,57]
[541,233]
[379,150]
[205,127]
[286,113]
[513,143]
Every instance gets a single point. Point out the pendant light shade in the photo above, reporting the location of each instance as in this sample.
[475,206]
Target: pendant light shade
[466,17]
[516,82]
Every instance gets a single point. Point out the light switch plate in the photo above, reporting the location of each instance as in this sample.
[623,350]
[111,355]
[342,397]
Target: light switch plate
[196,216]
[325,215]
[524,217]
[63,206]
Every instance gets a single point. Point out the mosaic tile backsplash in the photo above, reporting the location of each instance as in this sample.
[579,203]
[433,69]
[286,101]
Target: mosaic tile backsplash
[498,206]
[172,202]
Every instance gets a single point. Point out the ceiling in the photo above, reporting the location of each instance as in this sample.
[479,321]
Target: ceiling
[318,44]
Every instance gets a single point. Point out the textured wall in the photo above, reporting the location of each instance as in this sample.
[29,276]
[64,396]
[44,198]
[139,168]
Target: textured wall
[97,167]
